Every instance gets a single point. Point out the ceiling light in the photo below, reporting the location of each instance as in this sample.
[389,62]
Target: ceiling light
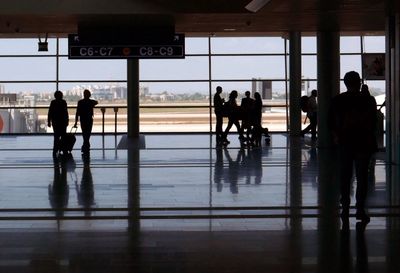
[256,5]
[229,29]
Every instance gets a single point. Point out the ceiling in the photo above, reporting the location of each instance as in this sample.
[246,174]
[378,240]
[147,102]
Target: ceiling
[28,18]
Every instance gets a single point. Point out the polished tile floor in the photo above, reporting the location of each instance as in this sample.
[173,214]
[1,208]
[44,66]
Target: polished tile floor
[179,204]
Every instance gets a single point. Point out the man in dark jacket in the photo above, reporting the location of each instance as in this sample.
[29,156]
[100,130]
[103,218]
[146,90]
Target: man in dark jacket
[218,110]
[58,118]
[353,122]
[84,112]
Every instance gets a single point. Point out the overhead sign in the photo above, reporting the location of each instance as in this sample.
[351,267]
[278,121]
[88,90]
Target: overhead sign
[173,49]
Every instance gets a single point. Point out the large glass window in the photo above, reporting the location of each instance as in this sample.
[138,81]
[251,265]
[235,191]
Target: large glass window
[175,94]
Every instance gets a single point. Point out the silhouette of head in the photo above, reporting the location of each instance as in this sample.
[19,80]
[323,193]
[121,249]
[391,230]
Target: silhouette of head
[233,94]
[314,92]
[219,89]
[257,96]
[58,95]
[352,81]
[86,94]
[247,94]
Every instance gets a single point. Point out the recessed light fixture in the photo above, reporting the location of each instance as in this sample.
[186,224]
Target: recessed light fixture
[229,29]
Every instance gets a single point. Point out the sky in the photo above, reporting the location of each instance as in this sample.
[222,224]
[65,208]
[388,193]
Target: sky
[191,68]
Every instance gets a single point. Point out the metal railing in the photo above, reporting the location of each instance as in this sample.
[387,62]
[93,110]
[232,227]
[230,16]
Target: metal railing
[153,118]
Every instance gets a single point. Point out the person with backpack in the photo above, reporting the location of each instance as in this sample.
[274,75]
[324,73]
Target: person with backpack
[352,120]
[311,109]
[234,112]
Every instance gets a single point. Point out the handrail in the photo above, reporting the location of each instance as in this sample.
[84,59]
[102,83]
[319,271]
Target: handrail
[152,106]
[105,119]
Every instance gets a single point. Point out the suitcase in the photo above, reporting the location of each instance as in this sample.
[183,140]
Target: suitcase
[68,141]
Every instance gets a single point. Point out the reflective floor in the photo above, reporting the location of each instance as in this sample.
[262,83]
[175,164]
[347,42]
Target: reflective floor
[179,204]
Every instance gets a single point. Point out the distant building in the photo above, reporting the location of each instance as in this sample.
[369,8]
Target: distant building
[143,91]
[2,89]
[102,93]
[10,98]
[305,87]
[119,92]
[263,87]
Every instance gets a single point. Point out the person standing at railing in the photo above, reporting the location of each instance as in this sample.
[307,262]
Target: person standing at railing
[58,118]
[84,112]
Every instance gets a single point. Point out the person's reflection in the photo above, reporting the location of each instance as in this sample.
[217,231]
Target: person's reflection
[233,170]
[362,253]
[361,249]
[219,169]
[310,169]
[85,191]
[59,189]
[256,163]
[346,257]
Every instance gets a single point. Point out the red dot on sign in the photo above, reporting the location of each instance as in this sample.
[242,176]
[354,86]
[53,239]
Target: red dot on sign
[1,124]
[126,51]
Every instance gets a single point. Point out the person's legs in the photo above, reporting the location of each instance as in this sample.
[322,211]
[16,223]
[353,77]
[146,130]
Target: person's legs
[59,132]
[361,166]
[86,132]
[218,128]
[346,173]
[239,129]
[313,125]
[228,127]
[56,142]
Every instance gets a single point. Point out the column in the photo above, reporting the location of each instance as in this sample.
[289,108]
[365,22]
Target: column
[328,80]
[294,83]
[133,98]
[393,88]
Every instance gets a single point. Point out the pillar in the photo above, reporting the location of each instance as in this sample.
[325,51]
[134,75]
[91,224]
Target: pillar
[133,98]
[393,88]
[328,80]
[294,83]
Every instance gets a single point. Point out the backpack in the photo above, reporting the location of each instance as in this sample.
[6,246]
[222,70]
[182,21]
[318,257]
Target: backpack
[304,104]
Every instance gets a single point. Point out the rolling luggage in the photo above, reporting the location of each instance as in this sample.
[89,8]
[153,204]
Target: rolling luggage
[68,141]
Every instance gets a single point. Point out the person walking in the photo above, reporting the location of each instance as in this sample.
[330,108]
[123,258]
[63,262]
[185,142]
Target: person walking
[57,118]
[352,119]
[233,117]
[84,112]
[312,116]
[219,113]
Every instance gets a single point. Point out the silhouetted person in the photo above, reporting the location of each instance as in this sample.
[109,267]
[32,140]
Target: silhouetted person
[233,116]
[234,170]
[256,119]
[85,191]
[84,112]
[218,110]
[312,116]
[352,121]
[246,108]
[59,190]
[58,118]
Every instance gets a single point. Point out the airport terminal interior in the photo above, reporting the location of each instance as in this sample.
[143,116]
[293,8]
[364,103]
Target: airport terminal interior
[156,193]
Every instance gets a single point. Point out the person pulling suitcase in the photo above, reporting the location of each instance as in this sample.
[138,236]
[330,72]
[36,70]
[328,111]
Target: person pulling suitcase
[58,118]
